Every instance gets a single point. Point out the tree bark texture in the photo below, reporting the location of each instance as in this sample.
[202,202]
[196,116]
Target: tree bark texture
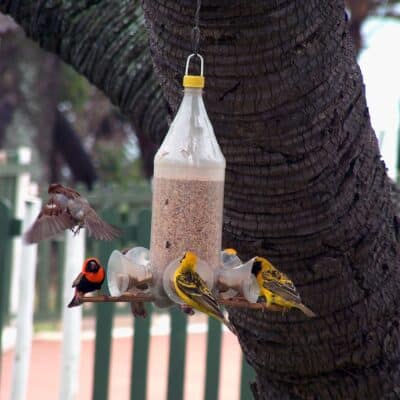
[305,187]
[305,183]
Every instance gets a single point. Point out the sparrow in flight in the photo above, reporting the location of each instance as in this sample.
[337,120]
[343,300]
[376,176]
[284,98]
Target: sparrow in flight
[67,209]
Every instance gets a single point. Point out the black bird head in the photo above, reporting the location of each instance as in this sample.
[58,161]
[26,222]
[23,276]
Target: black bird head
[256,268]
[92,265]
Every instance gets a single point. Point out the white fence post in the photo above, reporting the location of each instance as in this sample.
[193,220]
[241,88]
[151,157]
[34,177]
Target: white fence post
[26,298]
[72,317]
[22,187]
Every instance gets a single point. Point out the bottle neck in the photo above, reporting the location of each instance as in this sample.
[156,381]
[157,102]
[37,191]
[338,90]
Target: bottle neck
[193,91]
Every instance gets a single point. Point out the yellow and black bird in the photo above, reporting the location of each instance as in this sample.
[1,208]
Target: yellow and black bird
[193,291]
[89,279]
[276,288]
[67,209]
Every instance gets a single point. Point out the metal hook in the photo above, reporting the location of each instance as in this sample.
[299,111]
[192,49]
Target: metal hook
[201,64]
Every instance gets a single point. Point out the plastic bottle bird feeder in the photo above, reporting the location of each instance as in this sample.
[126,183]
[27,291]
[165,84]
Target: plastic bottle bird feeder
[188,188]
[187,210]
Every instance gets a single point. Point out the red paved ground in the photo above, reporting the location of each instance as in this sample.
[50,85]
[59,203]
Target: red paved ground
[45,375]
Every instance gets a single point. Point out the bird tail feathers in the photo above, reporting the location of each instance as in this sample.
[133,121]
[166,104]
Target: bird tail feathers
[76,301]
[305,310]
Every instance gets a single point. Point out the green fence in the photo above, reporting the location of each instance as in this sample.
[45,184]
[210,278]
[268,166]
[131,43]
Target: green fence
[140,235]
[129,210]
[5,218]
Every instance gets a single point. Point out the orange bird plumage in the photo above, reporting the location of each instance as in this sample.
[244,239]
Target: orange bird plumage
[90,279]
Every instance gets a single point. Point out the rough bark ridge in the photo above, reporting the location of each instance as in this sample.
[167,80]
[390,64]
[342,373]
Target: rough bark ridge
[305,186]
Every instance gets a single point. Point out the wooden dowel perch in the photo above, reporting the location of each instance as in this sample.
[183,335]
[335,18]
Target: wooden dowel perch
[238,302]
[125,298]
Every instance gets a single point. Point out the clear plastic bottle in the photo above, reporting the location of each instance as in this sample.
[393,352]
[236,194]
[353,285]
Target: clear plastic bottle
[188,187]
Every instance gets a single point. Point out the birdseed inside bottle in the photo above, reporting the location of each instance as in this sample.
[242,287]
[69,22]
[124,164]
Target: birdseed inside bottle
[187,215]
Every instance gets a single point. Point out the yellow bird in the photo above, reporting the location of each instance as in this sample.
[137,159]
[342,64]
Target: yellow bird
[276,288]
[193,291]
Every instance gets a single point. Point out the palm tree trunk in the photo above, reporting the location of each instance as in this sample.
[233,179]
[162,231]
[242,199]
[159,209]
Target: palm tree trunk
[305,183]
[305,187]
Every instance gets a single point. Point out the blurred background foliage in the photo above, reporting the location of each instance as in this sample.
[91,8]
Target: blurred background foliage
[75,133]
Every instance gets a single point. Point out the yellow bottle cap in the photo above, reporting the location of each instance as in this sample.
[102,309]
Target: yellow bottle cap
[193,81]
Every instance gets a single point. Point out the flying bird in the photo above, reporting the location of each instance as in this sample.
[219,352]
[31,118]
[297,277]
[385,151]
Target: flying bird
[67,209]
[89,279]
[193,291]
[276,288]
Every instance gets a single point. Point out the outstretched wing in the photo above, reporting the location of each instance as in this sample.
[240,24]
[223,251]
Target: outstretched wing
[98,228]
[193,286]
[278,283]
[48,225]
